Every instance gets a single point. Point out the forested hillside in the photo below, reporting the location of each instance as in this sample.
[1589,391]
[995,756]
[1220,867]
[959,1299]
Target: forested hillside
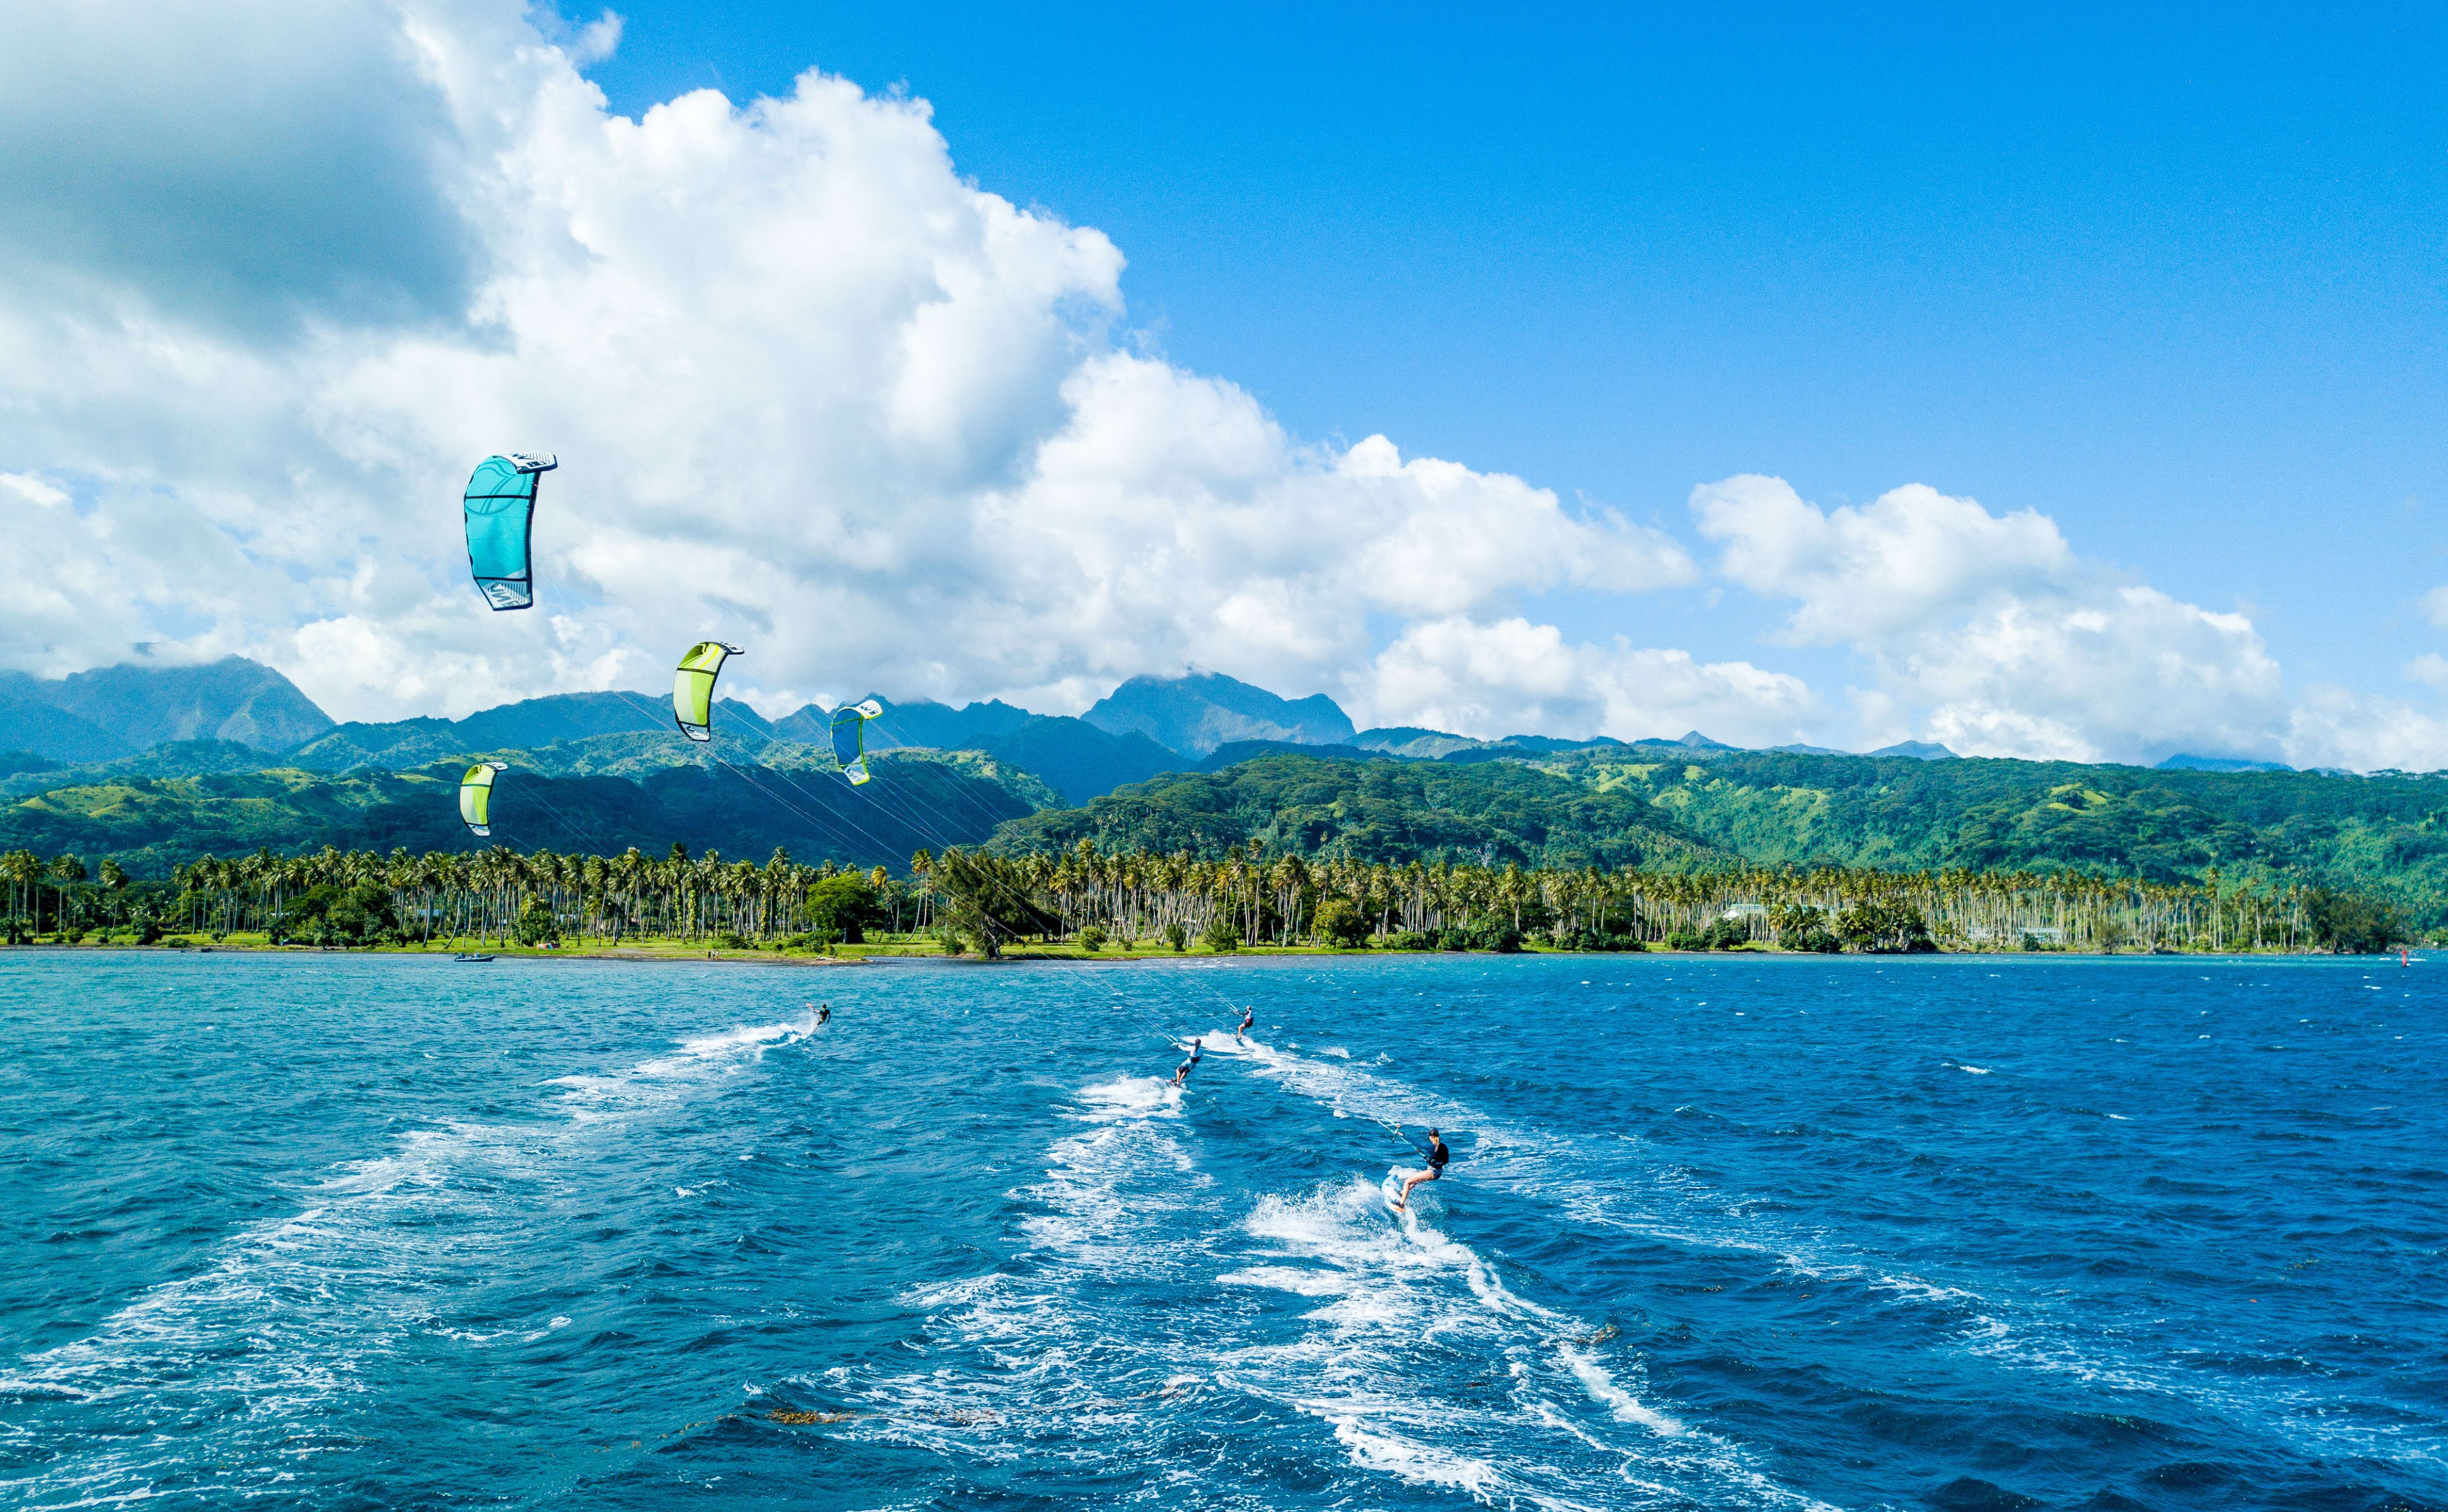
[1393,812]
[2385,835]
[114,769]
[150,823]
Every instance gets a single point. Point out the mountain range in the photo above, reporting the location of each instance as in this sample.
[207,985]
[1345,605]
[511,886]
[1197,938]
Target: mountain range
[1145,726]
[154,764]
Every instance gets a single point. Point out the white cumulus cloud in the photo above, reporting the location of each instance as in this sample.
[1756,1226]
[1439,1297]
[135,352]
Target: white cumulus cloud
[1498,678]
[813,392]
[1992,635]
[274,276]
[2336,727]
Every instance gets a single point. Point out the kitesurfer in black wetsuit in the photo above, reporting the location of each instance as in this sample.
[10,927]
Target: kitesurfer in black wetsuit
[823,1015]
[1438,1155]
[1181,1072]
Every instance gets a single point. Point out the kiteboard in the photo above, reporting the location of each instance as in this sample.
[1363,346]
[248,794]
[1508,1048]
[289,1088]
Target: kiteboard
[1391,1187]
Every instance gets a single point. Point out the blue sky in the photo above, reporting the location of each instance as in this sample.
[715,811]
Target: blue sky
[2174,277]
[2045,385]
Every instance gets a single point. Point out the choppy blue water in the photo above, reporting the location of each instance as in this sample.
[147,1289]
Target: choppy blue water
[1732,1232]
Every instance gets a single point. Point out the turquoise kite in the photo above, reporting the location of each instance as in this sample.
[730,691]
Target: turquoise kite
[850,737]
[501,517]
[693,687]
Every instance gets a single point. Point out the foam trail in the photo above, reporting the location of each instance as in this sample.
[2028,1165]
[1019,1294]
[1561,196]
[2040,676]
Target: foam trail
[1678,1210]
[254,1359]
[1384,1321]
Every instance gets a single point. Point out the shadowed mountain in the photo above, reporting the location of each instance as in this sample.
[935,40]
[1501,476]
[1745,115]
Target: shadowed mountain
[527,725]
[1410,740]
[40,729]
[627,733]
[2186,761]
[1197,713]
[926,723]
[1075,757]
[1232,753]
[1918,749]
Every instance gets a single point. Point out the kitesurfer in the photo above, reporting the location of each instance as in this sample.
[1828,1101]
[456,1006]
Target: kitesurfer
[823,1015]
[1181,1072]
[1438,1155]
[1249,1016]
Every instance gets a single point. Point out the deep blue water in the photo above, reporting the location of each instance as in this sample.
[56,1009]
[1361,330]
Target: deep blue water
[1730,1233]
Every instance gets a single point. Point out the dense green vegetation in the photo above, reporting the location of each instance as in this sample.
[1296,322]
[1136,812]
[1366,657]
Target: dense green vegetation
[1376,811]
[2385,835]
[1285,899]
[984,901]
[2376,849]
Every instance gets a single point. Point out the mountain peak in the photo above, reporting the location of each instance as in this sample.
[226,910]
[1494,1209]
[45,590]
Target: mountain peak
[2187,761]
[1199,710]
[121,709]
[1918,749]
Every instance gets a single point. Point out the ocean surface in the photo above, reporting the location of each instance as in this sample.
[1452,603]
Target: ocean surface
[1959,1232]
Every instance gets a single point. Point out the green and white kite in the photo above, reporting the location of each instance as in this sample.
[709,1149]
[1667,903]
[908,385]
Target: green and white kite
[476,795]
[693,687]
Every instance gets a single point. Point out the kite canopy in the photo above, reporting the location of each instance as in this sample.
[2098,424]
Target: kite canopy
[476,795]
[501,511]
[850,737]
[693,687]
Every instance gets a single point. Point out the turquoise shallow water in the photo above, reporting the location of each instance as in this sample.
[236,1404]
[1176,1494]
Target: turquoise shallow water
[1730,1233]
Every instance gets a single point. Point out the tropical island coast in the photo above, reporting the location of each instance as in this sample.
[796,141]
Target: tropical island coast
[1308,836]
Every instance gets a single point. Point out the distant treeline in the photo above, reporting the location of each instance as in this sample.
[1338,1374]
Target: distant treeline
[1082,892]
[2256,836]
[1282,899]
[2384,836]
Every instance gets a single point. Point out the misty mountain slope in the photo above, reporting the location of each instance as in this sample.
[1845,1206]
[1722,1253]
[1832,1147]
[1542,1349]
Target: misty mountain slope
[1195,713]
[1410,740]
[30,722]
[529,724]
[136,706]
[230,699]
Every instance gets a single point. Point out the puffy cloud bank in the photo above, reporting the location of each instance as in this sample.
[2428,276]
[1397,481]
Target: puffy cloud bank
[273,277]
[813,393]
[2001,640]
